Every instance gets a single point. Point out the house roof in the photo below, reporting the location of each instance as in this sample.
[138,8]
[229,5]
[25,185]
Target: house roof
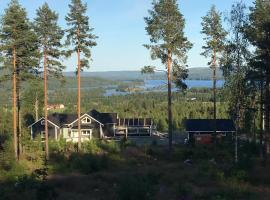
[49,121]
[61,118]
[86,115]
[104,118]
[208,125]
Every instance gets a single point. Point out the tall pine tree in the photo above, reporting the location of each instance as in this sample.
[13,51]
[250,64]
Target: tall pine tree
[49,37]
[18,45]
[214,38]
[165,26]
[81,39]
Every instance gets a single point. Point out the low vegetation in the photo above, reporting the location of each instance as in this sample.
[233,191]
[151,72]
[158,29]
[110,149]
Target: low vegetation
[122,170]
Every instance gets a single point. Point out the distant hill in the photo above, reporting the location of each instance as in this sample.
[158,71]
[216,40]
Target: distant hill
[203,73]
[112,75]
[199,73]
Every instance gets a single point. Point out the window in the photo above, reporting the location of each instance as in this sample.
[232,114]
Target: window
[42,122]
[86,120]
[86,132]
[42,135]
[75,133]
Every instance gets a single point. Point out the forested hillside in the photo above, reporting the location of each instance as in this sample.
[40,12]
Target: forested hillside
[199,73]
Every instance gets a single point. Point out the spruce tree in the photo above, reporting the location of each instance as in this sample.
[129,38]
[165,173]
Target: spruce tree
[81,39]
[165,26]
[18,45]
[49,38]
[214,38]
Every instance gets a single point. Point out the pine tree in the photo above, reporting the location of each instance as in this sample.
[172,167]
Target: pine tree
[258,33]
[18,45]
[49,37]
[165,26]
[81,38]
[214,37]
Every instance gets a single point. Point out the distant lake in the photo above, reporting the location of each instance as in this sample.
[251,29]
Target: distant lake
[161,85]
[151,84]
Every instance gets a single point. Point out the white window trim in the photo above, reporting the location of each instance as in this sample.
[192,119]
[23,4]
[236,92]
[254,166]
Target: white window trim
[86,120]
[83,117]
[90,132]
[73,132]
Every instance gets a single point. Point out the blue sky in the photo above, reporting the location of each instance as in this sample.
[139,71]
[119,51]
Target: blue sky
[121,30]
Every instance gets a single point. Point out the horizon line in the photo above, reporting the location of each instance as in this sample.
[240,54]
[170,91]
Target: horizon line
[124,70]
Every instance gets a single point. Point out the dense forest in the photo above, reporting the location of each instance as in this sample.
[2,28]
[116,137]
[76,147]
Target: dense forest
[169,165]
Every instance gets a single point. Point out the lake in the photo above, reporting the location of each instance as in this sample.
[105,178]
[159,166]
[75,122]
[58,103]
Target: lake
[161,85]
[150,84]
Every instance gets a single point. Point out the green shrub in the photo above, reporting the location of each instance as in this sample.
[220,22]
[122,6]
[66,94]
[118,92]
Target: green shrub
[240,175]
[109,146]
[206,171]
[28,187]
[87,163]
[134,187]
[233,189]
[91,147]
[124,143]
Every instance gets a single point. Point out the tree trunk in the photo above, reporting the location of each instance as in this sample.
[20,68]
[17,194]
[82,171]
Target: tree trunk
[261,119]
[36,107]
[36,95]
[20,132]
[267,109]
[79,93]
[238,106]
[170,99]
[15,143]
[46,107]
[214,97]
[19,120]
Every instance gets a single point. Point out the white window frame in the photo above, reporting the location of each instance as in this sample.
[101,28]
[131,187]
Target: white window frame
[86,132]
[86,120]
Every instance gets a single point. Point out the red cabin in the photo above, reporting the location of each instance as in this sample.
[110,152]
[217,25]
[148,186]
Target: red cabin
[202,130]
